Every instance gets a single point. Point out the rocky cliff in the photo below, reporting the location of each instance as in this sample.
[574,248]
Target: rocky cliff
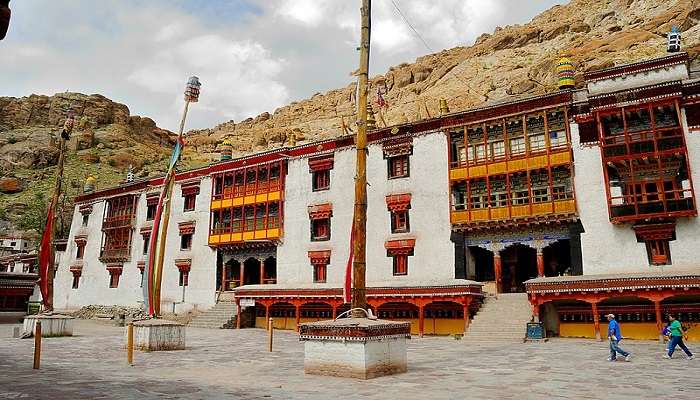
[105,141]
[512,61]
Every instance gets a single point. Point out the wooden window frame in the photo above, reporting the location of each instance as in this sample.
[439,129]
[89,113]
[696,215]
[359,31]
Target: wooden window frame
[151,210]
[658,252]
[80,253]
[186,241]
[320,273]
[321,180]
[400,265]
[114,280]
[184,278]
[319,224]
[399,167]
[76,281]
[190,201]
[397,224]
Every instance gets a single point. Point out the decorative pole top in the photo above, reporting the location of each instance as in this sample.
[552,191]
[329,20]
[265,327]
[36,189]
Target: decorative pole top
[192,90]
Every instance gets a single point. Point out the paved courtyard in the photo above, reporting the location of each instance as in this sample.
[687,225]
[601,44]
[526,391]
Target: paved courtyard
[235,364]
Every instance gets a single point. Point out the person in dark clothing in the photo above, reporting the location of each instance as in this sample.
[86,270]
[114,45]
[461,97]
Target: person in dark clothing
[4,17]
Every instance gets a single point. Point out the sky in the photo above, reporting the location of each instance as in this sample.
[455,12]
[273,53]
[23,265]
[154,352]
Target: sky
[250,55]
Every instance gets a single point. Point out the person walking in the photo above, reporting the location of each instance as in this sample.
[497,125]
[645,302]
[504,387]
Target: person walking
[615,336]
[677,334]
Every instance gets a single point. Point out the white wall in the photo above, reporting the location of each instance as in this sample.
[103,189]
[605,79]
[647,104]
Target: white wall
[94,282]
[433,259]
[609,248]
[667,74]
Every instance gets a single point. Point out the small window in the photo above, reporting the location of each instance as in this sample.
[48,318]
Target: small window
[398,167]
[184,278]
[86,217]
[517,146]
[114,280]
[658,252]
[142,273]
[320,229]
[81,251]
[146,243]
[76,281]
[186,241]
[190,200]
[537,142]
[321,180]
[13,244]
[540,195]
[151,212]
[400,265]
[320,273]
[399,222]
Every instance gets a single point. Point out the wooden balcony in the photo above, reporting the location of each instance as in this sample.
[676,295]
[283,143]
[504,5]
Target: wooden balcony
[514,213]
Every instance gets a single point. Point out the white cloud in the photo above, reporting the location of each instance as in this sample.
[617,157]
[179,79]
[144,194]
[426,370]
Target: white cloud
[250,58]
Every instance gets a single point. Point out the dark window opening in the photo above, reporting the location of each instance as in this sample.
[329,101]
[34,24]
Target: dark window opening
[321,180]
[658,252]
[86,217]
[320,229]
[76,281]
[114,280]
[81,251]
[190,200]
[146,243]
[399,222]
[184,278]
[151,212]
[186,241]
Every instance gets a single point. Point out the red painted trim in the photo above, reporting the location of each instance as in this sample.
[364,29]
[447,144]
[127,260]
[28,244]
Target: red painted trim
[321,211]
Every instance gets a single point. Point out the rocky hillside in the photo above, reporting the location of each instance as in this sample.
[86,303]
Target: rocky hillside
[513,60]
[105,141]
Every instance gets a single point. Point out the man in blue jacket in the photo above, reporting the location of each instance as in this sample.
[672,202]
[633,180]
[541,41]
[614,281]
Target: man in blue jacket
[615,336]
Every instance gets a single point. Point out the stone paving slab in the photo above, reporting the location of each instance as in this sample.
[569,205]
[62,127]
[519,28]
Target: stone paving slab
[234,364]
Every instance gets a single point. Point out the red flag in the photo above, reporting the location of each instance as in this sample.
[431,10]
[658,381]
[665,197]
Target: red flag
[380,99]
[347,294]
[45,256]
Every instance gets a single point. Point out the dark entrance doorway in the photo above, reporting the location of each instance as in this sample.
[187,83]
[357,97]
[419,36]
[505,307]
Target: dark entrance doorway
[519,263]
[557,258]
[480,265]
[251,272]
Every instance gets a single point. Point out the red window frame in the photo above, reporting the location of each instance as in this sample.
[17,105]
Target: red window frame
[400,264]
[186,241]
[76,281]
[320,229]
[658,252]
[320,273]
[81,251]
[114,280]
[151,212]
[184,278]
[190,201]
[398,166]
[321,180]
[400,222]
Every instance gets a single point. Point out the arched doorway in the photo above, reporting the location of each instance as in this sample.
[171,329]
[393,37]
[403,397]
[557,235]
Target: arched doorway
[557,258]
[519,263]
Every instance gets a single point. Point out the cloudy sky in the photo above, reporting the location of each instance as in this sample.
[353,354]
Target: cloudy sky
[251,55]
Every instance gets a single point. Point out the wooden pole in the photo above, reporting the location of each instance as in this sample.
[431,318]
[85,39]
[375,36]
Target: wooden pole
[130,343]
[164,226]
[270,329]
[359,299]
[51,273]
[37,345]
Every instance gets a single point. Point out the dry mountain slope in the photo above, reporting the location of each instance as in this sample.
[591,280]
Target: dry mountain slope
[515,60]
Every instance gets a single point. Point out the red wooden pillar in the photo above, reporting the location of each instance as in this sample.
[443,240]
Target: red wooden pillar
[596,321]
[335,310]
[223,277]
[659,321]
[297,314]
[238,313]
[421,319]
[497,268]
[267,313]
[241,275]
[540,263]
[465,313]
[536,312]
[262,270]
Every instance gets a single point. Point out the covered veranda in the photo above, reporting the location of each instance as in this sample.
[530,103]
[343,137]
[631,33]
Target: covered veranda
[439,310]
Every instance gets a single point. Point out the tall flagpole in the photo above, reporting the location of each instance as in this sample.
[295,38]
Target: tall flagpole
[47,253]
[359,299]
[154,274]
